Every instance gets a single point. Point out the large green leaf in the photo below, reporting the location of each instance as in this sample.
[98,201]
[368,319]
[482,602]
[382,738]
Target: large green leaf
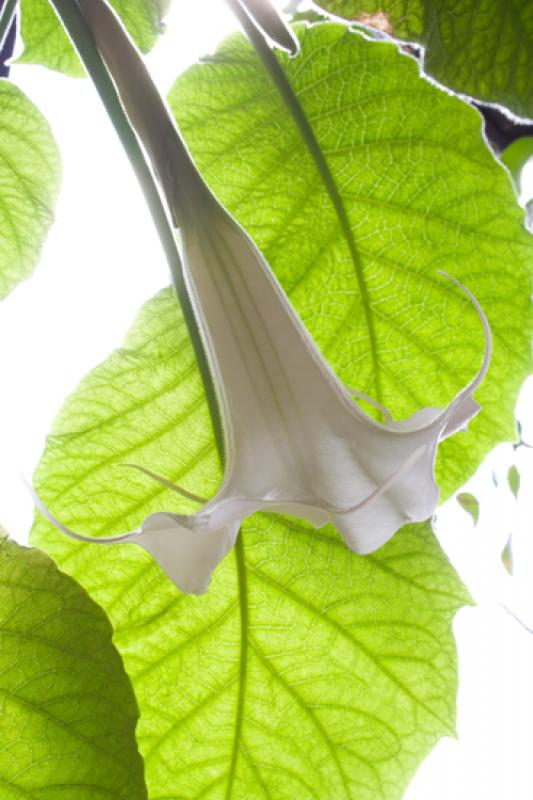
[305,671]
[481,48]
[67,709]
[46,43]
[421,192]
[29,184]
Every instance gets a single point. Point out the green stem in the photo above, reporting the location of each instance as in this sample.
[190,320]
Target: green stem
[290,99]
[242,577]
[6,18]
[75,25]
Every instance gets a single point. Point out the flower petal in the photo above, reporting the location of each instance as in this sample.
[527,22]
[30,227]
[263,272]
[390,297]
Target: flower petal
[410,495]
[188,557]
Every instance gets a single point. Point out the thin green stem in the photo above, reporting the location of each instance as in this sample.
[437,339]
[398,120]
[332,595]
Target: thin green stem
[6,18]
[75,25]
[242,577]
[294,107]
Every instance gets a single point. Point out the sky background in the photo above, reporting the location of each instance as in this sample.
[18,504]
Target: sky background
[101,261]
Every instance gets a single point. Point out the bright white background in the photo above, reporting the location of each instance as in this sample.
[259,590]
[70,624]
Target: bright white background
[100,262]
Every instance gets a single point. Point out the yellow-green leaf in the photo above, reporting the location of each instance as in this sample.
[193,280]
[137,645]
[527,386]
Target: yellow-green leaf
[67,709]
[46,43]
[29,184]
[481,48]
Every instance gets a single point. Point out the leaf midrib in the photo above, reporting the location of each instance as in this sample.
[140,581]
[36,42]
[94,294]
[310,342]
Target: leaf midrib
[242,579]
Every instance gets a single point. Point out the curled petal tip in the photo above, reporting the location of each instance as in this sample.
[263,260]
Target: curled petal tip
[294,48]
[79,537]
[472,386]
[196,498]
[188,557]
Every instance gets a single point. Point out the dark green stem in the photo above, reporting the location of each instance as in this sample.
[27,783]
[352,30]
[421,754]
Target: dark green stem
[6,18]
[290,99]
[75,25]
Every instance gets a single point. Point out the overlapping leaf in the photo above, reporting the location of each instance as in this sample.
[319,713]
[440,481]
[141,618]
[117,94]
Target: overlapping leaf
[46,43]
[67,709]
[421,192]
[305,671]
[29,184]
[482,48]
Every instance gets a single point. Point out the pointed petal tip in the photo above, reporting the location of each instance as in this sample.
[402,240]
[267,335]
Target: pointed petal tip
[462,414]
[79,537]
[272,23]
[294,48]
[484,321]
[187,557]
[168,484]
[285,40]
[470,388]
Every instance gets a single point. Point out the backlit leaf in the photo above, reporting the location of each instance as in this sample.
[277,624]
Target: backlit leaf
[513,479]
[507,556]
[470,504]
[516,156]
[46,43]
[29,184]
[481,48]
[67,709]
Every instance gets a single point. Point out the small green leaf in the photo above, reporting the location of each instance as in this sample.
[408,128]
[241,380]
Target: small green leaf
[29,184]
[421,192]
[67,709]
[305,671]
[309,15]
[482,48]
[516,156]
[513,479]
[46,43]
[507,556]
[470,504]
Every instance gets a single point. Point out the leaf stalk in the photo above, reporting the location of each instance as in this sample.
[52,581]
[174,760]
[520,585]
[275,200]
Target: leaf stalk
[7,14]
[80,35]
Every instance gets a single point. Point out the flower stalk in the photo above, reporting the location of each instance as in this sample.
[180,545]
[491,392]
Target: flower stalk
[7,14]
[80,34]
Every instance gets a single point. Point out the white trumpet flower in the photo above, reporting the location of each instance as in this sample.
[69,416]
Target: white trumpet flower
[295,441]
